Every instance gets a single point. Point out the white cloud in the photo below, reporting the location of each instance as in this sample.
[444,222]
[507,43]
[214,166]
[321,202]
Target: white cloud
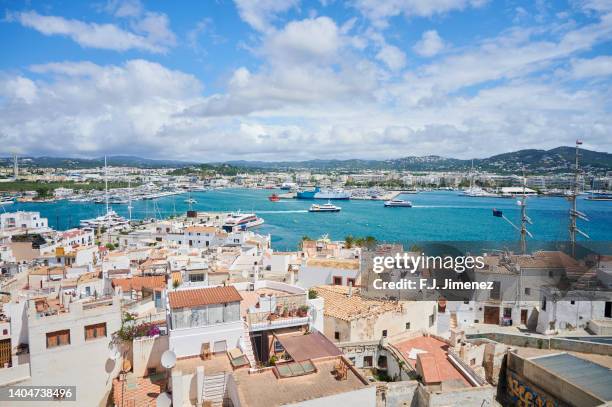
[429,45]
[586,68]
[260,14]
[124,8]
[392,56]
[380,11]
[305,40]
[151,34]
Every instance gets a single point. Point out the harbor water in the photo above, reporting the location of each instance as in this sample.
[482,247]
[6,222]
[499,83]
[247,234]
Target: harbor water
[435,216]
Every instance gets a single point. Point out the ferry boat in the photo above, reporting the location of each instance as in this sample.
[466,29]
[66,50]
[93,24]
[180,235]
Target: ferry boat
[599,196]
[328,207]
[318,193]
[241,221]
[274,198]
[110,220]
[398,203]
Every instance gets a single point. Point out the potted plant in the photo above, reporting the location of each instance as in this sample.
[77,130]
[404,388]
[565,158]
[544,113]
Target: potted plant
[285,312]
[303,310]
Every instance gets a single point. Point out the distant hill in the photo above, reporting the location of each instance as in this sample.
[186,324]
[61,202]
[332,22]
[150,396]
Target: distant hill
[76,163]
[557,160]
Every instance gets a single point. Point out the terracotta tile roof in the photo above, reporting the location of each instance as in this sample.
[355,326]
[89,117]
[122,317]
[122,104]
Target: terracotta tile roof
[338,303]
[201,229]
[428,366]
[138,283]
[349,264]
[203,296]
[436,349]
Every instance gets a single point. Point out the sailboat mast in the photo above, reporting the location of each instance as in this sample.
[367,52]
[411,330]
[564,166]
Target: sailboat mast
[106,185]
[524,218]
[574,195]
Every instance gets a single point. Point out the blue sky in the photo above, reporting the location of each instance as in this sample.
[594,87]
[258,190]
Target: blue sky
[290,79]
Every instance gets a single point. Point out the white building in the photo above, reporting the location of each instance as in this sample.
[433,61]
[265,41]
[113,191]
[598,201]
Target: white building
[30,221]
[204,320]
[70,347]
[572,310]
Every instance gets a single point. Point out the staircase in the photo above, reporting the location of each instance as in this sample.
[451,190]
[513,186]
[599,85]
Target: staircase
[248,347]
[213,391]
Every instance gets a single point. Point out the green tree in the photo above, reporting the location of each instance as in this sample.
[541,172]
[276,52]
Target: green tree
[348,241]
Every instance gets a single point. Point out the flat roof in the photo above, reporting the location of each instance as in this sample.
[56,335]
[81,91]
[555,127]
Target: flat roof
[590,376]
[264,389]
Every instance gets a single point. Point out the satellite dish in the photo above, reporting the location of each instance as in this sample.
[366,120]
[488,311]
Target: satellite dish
[163,400]
[168,359]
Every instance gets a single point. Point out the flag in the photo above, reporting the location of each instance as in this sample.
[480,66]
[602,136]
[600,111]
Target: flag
[497,213]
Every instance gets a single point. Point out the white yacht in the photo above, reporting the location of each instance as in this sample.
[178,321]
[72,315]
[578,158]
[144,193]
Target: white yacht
[328,207]
[110,220]
[241,221]
[6,200]
[398,203]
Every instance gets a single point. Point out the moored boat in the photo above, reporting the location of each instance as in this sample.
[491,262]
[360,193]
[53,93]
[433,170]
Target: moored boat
[274,198]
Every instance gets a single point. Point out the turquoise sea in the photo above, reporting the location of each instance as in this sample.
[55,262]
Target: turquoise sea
[435,216]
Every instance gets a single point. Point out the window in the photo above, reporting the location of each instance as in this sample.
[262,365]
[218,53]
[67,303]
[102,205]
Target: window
[572,302]
[95,331]
[337,280]
[337,335]
[367,361]
[350,281]
[58,338]
[199,277]
[527,291]
[407,325]
[384,333]
[544,304]
[432,319]
[496,291]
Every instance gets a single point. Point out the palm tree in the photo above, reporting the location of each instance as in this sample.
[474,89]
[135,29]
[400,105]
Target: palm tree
[348,241]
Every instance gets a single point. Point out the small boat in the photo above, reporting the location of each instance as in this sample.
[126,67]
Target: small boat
[190,201]
[274,198]
[398,203]
[7,200]
[328,207]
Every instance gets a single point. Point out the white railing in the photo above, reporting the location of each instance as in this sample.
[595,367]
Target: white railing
[279,323]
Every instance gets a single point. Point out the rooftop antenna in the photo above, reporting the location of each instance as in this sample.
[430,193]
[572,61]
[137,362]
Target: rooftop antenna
[574,213]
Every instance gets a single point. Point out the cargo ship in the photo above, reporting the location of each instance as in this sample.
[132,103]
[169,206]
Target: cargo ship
[318,193]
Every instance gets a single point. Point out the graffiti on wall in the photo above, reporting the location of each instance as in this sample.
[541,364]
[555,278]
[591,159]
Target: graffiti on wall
[524,395]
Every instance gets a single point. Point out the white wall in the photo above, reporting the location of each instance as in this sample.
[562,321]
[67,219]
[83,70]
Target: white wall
[188,341]
[365,397]
[84,364]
